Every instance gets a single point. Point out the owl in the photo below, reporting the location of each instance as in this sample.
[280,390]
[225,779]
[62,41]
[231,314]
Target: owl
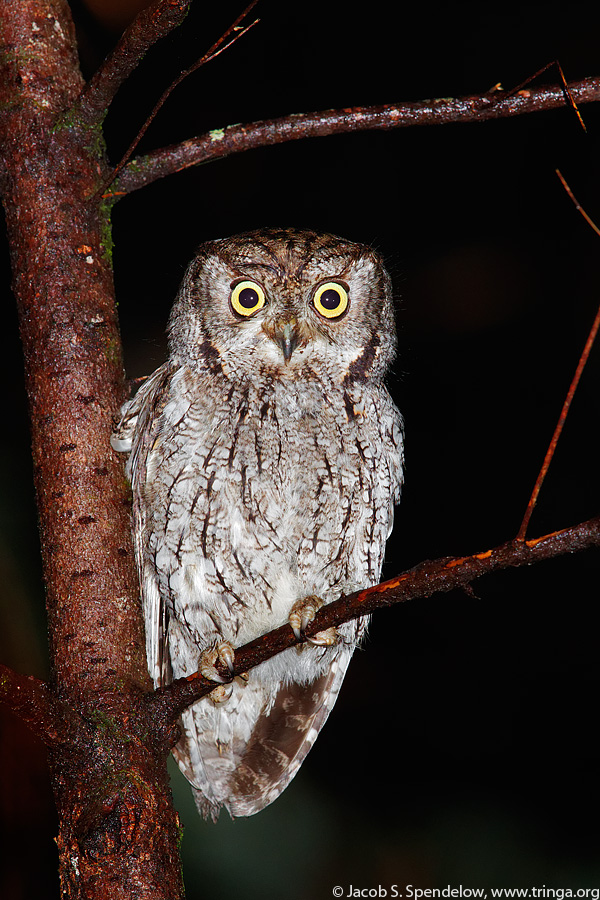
[265,459]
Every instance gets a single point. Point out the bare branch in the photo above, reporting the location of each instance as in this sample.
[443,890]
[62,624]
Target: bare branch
[567,91]
[570,393]
[37,705]
[149,26]
[424,580]
[238,138]
[577,204]
[221,44]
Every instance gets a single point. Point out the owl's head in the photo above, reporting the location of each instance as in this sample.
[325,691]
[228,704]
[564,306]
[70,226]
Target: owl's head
[282,301]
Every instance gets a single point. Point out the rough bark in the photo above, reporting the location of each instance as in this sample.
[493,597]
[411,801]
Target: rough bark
[59,236]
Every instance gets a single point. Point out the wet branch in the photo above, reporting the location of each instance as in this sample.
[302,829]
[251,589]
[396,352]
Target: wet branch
[52,720]
[58,725]
[149,26]
[429,577]
[223,142]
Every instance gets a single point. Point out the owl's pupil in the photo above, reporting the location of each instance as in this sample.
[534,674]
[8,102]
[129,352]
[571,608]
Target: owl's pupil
[248,298]
[330,299]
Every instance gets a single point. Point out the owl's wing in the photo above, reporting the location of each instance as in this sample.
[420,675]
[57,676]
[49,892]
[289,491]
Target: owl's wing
[156,619]
[136,435]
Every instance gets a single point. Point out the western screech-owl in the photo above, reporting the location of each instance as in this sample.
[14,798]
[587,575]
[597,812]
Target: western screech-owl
[265,461]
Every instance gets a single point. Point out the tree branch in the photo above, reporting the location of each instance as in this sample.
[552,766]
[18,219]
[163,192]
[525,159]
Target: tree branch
[54,721]
[237,138]
[559,425]
[148,27]
[426,579]
[223,43]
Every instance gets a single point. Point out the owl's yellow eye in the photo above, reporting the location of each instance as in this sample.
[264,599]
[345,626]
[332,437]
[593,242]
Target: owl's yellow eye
[331,299]
[247,297]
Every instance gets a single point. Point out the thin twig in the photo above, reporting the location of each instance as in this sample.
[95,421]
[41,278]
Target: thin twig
[148,27]
[570,393]
[428,578]
[217,48]
[570,97]
[222,142]
[566,89]
[576,203]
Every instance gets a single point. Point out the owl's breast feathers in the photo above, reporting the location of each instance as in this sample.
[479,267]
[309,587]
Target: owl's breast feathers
[260,493]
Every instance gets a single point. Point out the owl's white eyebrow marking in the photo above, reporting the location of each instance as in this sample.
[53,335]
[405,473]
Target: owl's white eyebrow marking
[249,268]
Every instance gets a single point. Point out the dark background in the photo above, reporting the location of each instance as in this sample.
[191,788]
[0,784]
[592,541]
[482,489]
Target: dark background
[463,747]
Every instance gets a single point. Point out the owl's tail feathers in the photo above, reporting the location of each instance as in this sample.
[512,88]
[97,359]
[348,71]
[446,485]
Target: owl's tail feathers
[280,740]
[203,776]
[208,809]
[238,756]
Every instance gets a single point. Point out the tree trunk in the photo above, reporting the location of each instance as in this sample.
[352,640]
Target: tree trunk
[112,837]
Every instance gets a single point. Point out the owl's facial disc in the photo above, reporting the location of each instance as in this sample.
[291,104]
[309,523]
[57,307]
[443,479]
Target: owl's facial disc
[291,331]
[248,297]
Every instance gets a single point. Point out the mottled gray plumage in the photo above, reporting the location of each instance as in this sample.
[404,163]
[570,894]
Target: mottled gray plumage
[265,461]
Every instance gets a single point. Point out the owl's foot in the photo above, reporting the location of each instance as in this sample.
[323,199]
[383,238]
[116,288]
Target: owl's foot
[221,694]
[302,614]
[222,652]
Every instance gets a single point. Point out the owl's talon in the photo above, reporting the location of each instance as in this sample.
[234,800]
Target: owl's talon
[302,614]
[226,654]
[326,638]
[222,652]
[221,694]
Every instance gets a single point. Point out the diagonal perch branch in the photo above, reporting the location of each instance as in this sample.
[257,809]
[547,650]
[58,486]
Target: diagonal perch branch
[223,142]
[426,579]
[59,725]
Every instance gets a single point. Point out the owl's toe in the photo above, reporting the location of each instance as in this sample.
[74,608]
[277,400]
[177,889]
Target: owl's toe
[221,652]
[326,638]
[221,694]
[302,614]
[226,654]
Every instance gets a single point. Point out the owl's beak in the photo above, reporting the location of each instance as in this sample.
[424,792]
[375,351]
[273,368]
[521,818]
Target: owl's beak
[287,337]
